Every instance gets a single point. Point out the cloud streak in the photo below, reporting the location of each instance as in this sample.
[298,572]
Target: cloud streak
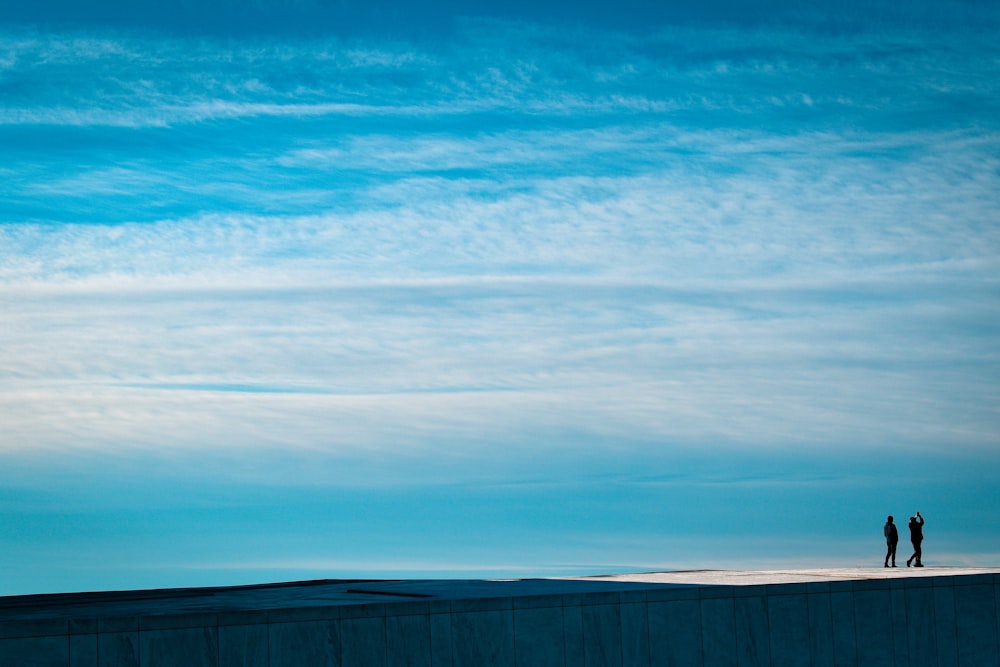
[528,257]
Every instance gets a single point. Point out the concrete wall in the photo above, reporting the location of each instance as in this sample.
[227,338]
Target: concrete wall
[920,621]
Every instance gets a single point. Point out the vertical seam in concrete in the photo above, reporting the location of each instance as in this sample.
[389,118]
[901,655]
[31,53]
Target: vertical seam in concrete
[621,632]
[701,629]
[767,618]
[892,626]
[811,623]
[732,617]
[736,630]
[649,640]
[854,622]
[996,616]
[833,636]
[562,616]
[430,637]
[934,623]
[513,632]
[954,627]
[906,621]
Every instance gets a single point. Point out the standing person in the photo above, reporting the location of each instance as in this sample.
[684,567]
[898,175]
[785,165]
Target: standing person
[916,537]
[891,538]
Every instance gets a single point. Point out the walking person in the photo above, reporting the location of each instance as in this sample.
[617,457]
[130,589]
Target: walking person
[891,539]
[916,537]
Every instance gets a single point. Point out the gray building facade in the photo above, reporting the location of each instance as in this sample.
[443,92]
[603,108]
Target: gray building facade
[936,619]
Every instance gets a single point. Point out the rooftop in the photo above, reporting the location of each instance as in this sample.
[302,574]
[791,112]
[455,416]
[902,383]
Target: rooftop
[339,592]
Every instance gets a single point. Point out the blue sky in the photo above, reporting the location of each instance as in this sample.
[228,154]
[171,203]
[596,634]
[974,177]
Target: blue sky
[507,289]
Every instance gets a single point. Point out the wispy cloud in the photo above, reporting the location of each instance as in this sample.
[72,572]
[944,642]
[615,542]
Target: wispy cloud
[129,80]
[529,253]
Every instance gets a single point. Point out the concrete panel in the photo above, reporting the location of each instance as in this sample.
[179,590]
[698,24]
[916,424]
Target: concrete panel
[483,638]
[243,646]
[635,634]
[118,649]
[873,627]
[309,613]
[788,616]
[82,626]
[944,625]
[674,630]
[372,610]
[996,594]
[25,628]
[408,641]
[820,630]
[975,617]
[573,634]
[920,627]
[313,643]
[83,650]
[602,635]
[632,596]
[538,601]
[673,594]
[482,604]
[900,640]
[845,640]
[362,642]
[177,621]
[34,652]
[752,646]
[187,647]
[118,624]
[538,637]
[442,647]
[718,631]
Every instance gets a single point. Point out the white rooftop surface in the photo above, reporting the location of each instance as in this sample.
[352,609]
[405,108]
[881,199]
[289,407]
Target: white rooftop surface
[756,577]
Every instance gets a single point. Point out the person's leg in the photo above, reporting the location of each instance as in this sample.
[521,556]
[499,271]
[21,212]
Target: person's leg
[888,552]
[917,553]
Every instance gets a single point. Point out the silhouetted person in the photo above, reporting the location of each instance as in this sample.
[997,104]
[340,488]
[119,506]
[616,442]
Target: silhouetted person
[891,539]
[916,537]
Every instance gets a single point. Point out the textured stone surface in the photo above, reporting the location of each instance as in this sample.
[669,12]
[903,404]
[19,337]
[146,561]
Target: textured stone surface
[34,652]
[635,634]
[602,634]
[196,647]
[292,644]
[539,637]
[788,618]
[118,649]
[83,650]
[243,645]
[482,638]
[718,631]
[845,644]
[408,640]
[675,633]
[752,646]
[821,628]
